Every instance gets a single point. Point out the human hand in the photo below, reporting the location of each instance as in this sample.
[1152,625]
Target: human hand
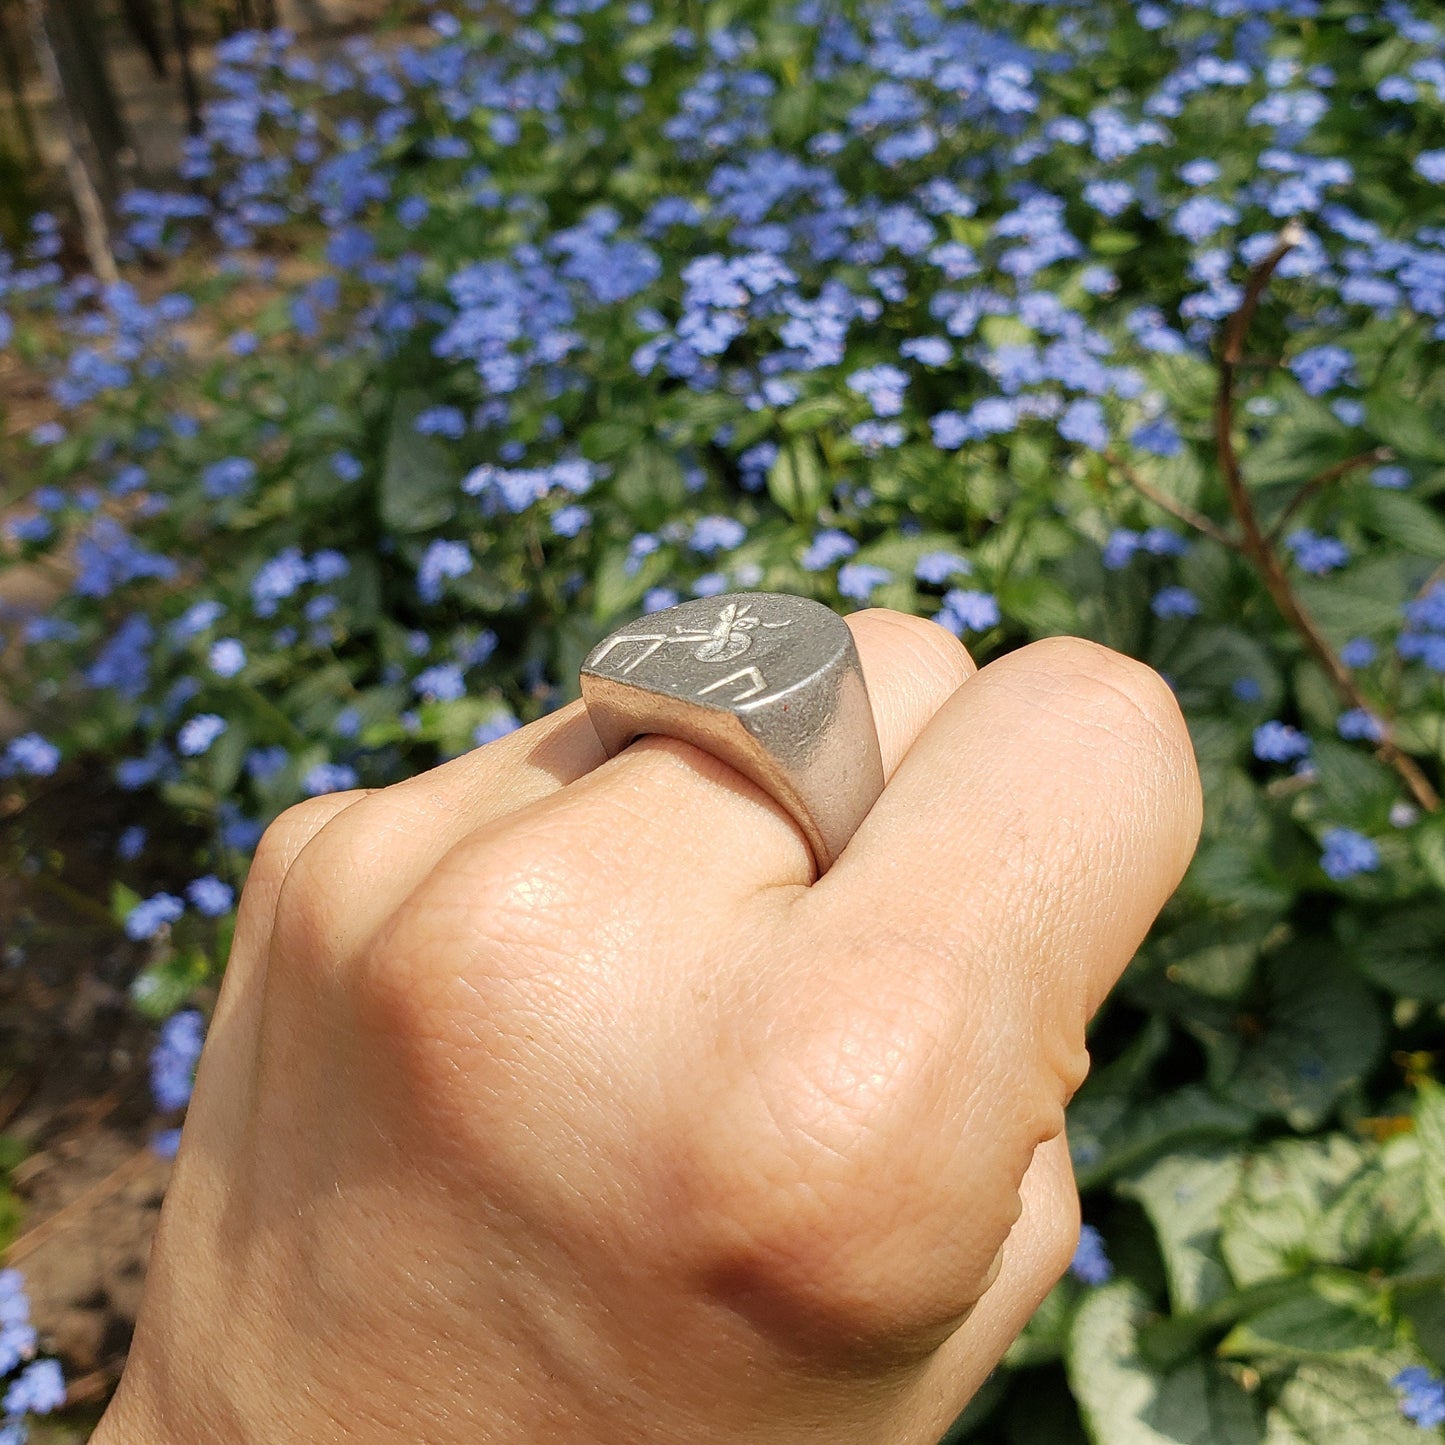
[548,1098]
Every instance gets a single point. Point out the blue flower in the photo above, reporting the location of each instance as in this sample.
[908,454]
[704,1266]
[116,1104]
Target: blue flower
[1158,437]
[210,897]
[1322,368]
[1083,422]
[497,726]
[826,548]
[1357,725]
[859,580]
[1423,1396]
[228,477]
[570,520]
[1120,548]
[1174,602]
[1091,1264]
[442,421]
[642,546]
[883,386]
[1391,478]
[1277,742]
[198,733]
[936,568]
[17,1334]
[166,1143]
[174,1057]
[964,611]
[1201,172]
[131,842]
[328,778]
[442,559]
[1201,216]
[152,914]
[716,534]
[347,467]
[37,1390]
[227,657]
[442,683]
[927,350]
[1346,853]
[1358,652]
[1431,165]
[30,755]
[874,436]
[657,598]
[1316,554]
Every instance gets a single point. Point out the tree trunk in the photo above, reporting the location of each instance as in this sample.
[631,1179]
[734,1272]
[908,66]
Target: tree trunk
[140,16]
[15,84]
[88,203]
[77,45]
[190,92]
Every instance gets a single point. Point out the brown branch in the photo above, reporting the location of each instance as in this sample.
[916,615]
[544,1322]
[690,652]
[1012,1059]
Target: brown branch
[1259,548]
[1320,481]
[80,1206]
[1164,502]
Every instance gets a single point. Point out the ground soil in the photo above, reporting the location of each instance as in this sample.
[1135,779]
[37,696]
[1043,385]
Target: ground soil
[74,1093]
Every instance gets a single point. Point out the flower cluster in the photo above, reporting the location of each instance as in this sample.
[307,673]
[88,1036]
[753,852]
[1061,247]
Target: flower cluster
[35,1386]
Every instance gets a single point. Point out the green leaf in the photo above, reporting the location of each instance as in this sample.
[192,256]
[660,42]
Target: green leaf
[1323,1033]
[1275,1224]
[1238,877]
[1404,951]
[419,483]
[1342,1403]
[615,591]
[1363,599]
[1323,1314]
[797,482]
[650,483]
[1109,1134]
[1402,519]
[159,990]
[1183,1195]
[1430,1126]
[1124,1402]
[1412,429]
[122,900]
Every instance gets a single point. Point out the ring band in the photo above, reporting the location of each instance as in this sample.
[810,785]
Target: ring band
[768,683]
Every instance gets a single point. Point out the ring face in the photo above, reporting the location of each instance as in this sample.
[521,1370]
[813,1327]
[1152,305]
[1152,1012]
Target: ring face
[769,683]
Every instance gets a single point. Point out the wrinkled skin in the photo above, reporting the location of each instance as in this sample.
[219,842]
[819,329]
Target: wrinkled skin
[550,1097]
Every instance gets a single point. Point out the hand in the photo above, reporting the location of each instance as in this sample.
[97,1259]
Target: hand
[548,1097]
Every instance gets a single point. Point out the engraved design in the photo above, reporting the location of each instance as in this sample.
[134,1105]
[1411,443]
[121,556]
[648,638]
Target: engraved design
[752,672]
[727,639]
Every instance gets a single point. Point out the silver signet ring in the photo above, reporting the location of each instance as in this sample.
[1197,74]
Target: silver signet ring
[768,683]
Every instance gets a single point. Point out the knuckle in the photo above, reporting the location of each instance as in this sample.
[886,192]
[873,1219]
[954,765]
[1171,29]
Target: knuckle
[289,834]
[496,914]
[318,889]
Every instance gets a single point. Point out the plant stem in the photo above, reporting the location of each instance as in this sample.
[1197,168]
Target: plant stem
[1259,548]
[1322,479]
[1187,515]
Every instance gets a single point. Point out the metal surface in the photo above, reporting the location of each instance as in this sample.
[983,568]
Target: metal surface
[771,684]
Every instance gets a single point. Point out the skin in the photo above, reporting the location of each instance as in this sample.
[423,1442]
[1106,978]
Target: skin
[550,1097]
